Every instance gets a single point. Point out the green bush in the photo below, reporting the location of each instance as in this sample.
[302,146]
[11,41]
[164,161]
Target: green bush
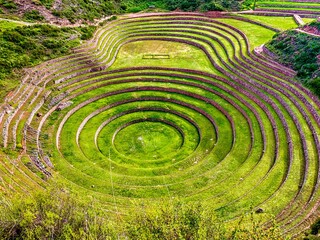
[112,18]
[134,9]
[47,3]
[9,4]
[185,5]
[87,32]
[211,6]
[33,15]
[55,214]
[169,221]
[315,227]
[57,13]
[315,24]
[248,4]
[314,85]
[52,43]
[306,49]
[58,214]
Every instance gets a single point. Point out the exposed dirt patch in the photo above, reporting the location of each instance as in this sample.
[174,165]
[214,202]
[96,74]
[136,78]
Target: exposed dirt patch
[312,30]
[57,5]
[214,14]
[24,6]
[28,5]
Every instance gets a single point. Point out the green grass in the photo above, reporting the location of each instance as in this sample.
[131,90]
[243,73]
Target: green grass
[226,167]
[308,20]
[183,56]
[282,23]
[4,25]
[257,35]
[291,8]
[289,3]
[147,140]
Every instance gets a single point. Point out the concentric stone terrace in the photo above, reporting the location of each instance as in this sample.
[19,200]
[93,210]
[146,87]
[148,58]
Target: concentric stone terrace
[222,125]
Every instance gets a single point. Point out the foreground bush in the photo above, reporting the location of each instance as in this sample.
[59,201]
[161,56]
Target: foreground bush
[58,214]
[55,214]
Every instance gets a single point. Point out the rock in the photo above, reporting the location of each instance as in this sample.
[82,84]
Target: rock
[97,69]
[63,105]
[259,210]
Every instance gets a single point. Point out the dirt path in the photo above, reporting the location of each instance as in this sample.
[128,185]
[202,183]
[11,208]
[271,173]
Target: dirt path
[309,33]
[16,21]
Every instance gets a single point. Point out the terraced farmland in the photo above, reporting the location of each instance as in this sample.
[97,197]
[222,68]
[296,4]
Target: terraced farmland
[305,8]
[158,106]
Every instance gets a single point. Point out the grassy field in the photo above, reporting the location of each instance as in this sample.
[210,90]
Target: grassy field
[289,3]
[282,23]
[291,8]
[308,20]
[257,35]
[175,55]
[8,25]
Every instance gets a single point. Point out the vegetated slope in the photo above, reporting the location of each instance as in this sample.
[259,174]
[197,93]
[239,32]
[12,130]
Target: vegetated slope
[83,10]
[59,11]
[26,46]
[59,214]
[300,51]
[305,8]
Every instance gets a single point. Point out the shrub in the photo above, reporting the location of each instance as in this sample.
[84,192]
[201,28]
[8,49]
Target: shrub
[182,4]
[212,6]
[55,214]
[304,60]
[9,4]
[47,3]
[113,18]
[87,32]
[248,4]
[33,15]
[134,9]
[314,85]
[52,43]
[169,221]
[315,227]
[58,214]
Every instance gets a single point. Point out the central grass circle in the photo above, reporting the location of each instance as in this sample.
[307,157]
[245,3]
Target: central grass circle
[148,140]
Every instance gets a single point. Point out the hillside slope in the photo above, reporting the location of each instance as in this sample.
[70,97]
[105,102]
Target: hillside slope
[58,11]
[300,51]
[25,46]
[73,11]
